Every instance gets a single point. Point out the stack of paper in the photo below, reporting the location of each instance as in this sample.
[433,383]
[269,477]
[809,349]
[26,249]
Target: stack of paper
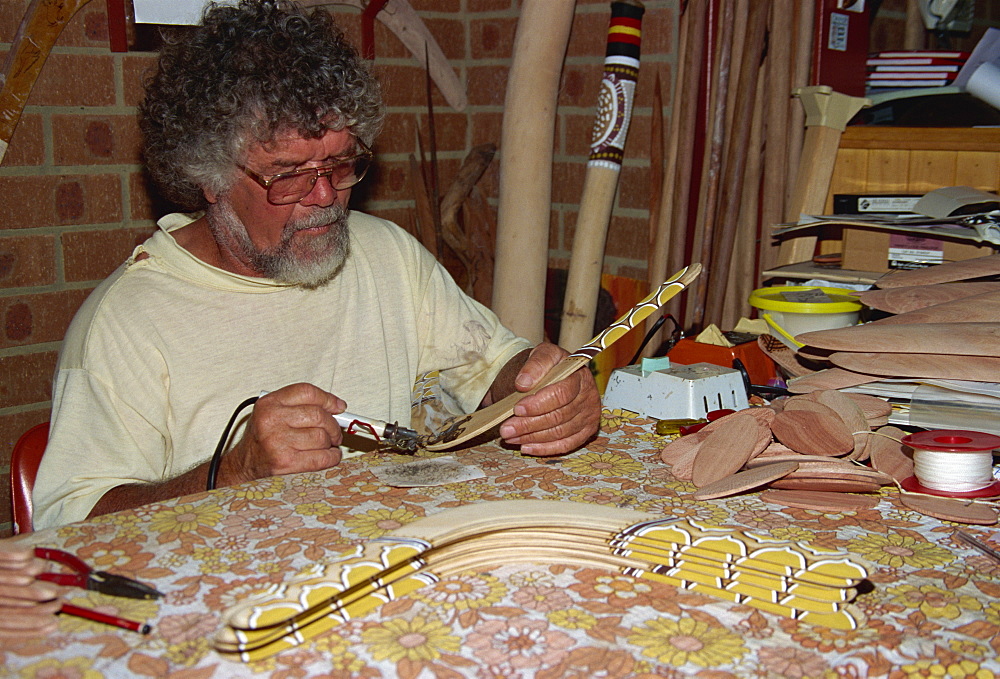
[913,68]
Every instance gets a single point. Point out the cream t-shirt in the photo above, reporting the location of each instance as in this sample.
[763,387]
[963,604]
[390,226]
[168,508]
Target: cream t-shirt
[162,352]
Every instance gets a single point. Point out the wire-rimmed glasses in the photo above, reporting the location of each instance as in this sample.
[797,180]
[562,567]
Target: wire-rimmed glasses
[285,188]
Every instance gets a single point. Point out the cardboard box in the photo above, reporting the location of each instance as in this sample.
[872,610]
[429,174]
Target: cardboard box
[879,251]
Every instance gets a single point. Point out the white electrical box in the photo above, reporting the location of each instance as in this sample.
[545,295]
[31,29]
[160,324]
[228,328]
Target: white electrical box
[676,391]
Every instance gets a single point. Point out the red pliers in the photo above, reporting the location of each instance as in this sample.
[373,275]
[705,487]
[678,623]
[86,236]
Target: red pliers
[87,578]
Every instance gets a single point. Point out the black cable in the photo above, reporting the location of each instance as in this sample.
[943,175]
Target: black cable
[649,335]
[213,468]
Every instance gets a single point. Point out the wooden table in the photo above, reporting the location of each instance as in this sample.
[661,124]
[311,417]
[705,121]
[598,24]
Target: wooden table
[933,608]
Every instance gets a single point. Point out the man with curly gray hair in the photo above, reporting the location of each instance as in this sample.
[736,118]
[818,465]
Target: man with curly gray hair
[258,123]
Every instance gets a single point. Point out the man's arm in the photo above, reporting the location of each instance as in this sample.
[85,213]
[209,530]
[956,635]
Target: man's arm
[559,418]
[290,430]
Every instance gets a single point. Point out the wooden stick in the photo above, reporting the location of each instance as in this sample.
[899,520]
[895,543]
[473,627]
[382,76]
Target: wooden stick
[423,212]
[779,86]
[607,149]
[736,160]
[655,173]
[476,162]
[526,142]
[802,59]
[711,169]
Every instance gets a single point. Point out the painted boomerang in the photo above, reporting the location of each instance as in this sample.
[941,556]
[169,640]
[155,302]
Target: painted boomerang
[459,430]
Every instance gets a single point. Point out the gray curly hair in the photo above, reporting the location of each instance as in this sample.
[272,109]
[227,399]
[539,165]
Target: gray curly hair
[248,72]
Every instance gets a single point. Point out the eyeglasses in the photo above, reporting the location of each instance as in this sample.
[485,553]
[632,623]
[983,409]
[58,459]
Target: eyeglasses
[285,188]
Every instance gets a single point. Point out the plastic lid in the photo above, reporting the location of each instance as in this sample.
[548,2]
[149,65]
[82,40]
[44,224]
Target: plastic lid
[773,299]
[952,441]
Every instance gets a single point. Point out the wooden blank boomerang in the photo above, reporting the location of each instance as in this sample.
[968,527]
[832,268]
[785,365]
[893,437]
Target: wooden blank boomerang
[459,430]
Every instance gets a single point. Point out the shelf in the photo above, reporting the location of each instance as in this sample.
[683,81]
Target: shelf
[807,270]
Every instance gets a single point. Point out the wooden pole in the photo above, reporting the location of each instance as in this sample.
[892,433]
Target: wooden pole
[827,114]
[526,140]
[607,150]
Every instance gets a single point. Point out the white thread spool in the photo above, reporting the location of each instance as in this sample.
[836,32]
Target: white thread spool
[952,462]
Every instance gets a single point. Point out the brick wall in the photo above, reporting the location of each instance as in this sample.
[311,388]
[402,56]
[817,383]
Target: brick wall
[75,201]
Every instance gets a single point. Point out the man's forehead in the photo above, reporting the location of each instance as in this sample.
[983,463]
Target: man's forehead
[293,141]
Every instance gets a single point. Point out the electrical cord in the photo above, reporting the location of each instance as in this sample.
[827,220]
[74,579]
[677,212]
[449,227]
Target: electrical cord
[213,468]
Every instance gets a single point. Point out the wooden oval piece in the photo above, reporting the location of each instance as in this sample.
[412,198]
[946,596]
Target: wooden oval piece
[680,454]
[811,433]
[831,378]
[831,485]
[975,309]
[938,366]
[950,509]
[853,416]
[889,455]
[822,501]
[913,297]
[744,481]
[962,339]
[727,448]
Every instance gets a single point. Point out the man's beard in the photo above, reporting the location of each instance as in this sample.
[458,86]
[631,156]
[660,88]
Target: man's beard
[309,262]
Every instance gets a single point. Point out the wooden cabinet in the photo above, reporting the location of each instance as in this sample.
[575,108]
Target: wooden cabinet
[908,160]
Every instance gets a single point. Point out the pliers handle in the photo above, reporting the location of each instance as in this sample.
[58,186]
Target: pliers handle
[98,581]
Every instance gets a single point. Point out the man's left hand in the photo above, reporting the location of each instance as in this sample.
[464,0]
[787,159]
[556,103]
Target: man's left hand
[560,417]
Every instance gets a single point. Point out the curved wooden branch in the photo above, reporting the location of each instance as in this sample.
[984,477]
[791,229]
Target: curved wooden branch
[41,26]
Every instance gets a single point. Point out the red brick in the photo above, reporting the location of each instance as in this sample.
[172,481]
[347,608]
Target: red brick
[391,181]
[387,45]
[37,318]
[637,144]
[486,127]
[450,36]
[406,86]
[627,237]
[490,5]
[579,131]
[449,131]
[75,80]
[399,134]
[93,255]
[27,146]
[58,200]
[146,202]
[88,28]
[493,38]
[27,378]
[487,85]
[95,140]
[135,69]
[589,35]
[567,182]
[633,188]
[580,84]
[26,261]
[11,13]
[658,31]
[436,5]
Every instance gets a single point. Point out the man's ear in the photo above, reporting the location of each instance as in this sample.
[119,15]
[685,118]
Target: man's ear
[210,196]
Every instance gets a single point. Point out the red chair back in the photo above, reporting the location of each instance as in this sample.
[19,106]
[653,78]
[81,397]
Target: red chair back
[24,461]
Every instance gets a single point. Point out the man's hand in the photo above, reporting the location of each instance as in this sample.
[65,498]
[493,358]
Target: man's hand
[560,417]
[291,430]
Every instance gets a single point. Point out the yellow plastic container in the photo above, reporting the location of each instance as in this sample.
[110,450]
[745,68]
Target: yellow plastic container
[790,310]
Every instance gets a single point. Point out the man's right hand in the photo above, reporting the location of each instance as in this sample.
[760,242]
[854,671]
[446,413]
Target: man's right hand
[290,430]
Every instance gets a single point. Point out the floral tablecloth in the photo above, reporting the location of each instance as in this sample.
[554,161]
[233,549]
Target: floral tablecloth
[933,608]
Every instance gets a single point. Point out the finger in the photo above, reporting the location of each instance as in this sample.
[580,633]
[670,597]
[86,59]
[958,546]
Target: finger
[542,359]
[307,460]
[304,393]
